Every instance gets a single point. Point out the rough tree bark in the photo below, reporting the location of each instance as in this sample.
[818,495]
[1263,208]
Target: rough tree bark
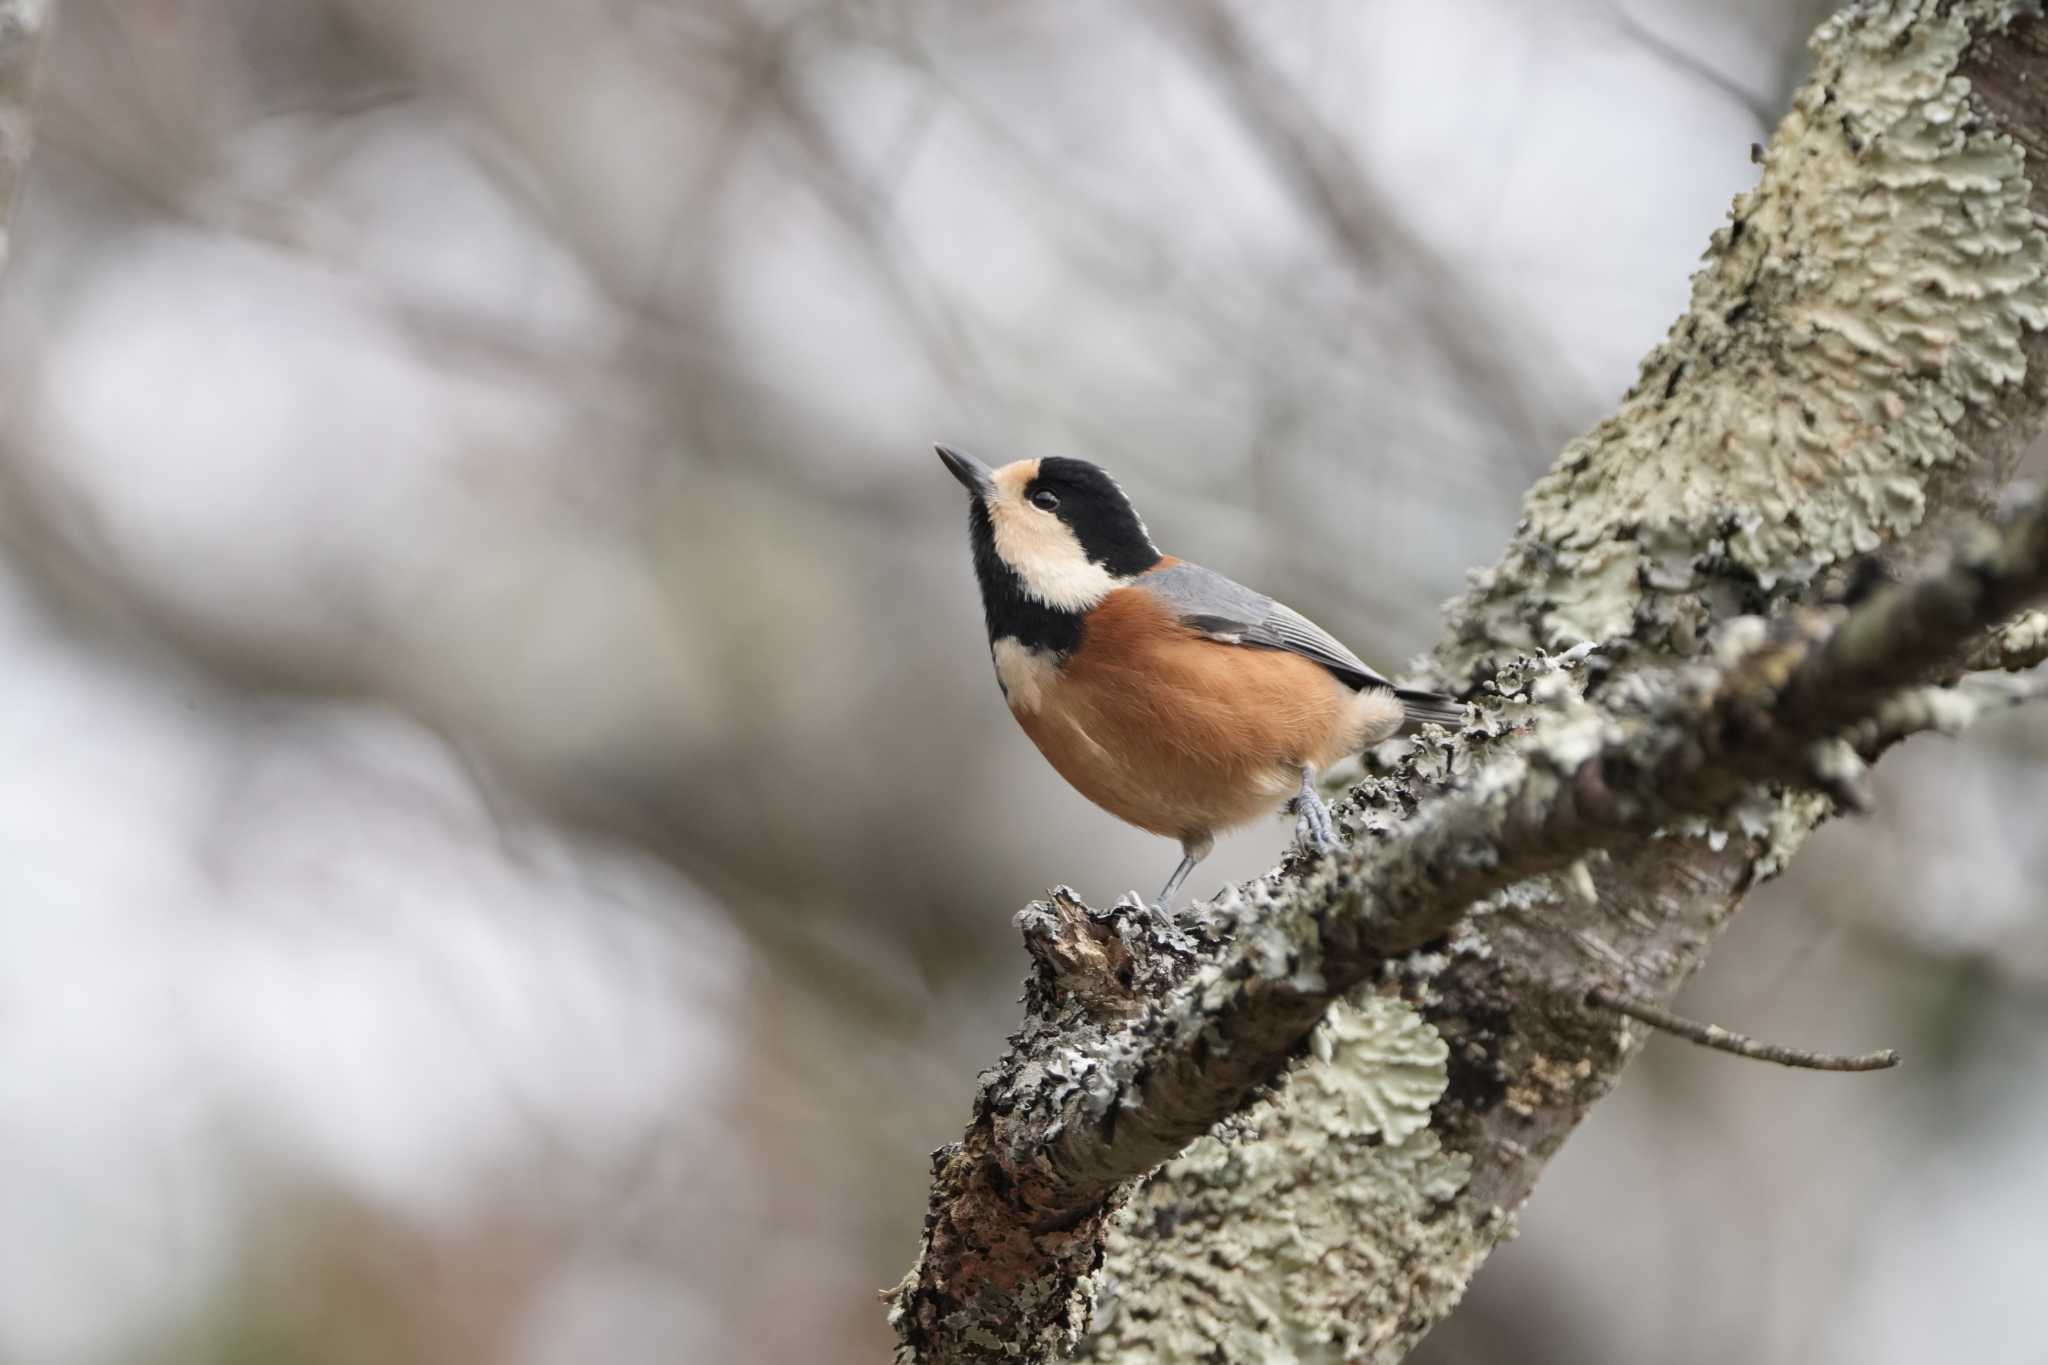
[1290,1125]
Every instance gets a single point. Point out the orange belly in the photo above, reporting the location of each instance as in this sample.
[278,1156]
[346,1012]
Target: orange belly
[1185,736]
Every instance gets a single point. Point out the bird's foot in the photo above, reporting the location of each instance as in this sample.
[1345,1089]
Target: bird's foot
[1314,830]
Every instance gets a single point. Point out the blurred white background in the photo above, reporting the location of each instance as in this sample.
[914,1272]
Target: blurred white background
[507,829]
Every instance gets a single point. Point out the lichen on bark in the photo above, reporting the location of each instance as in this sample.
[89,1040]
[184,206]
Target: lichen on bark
[1860,321]
[1217,1257]
[1875,285]
[2023,643]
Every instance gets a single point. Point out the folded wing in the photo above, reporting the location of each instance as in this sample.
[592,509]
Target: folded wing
[1229,612]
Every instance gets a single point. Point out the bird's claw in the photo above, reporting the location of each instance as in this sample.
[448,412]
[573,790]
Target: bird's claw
[1314,830]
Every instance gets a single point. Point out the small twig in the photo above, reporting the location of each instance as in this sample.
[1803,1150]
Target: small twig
[1759,107]
[2022,643]
[1721,1040]
[1947,710]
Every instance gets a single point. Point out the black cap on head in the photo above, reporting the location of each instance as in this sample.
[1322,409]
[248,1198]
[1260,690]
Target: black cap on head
[1094,507]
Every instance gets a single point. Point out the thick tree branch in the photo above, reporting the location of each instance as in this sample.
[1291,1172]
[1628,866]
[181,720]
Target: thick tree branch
[1857,370]
[1242,988]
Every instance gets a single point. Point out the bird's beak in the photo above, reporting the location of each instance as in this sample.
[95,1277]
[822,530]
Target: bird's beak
[975,476]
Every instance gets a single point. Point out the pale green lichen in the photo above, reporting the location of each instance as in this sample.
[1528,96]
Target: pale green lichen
[1778,826]
[1873,288]
[1313,1232]
[2025,641]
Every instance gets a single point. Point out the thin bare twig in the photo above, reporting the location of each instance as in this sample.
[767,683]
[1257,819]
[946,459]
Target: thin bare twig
[1737,1044]
[1761,107]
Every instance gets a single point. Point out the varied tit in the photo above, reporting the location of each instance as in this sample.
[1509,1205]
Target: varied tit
[1165,693]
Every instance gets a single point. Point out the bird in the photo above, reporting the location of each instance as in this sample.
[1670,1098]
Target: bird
[1172,697]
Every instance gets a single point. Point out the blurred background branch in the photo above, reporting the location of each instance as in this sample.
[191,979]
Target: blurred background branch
[22,25]
[500,768]
[1471,344]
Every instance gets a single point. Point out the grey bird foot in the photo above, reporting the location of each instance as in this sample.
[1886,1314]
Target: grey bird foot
[1314,830]
[1193,849]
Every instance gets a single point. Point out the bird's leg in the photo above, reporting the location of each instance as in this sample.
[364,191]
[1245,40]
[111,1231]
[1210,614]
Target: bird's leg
[1192,851]
[1313,828]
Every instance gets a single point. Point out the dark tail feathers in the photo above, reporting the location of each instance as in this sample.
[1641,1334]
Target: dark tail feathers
[1431,708]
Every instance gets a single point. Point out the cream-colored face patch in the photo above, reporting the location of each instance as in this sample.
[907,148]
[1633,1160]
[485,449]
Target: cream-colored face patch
[1025,673]
[1040,547]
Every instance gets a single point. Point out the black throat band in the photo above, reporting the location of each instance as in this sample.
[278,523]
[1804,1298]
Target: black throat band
[1010,611]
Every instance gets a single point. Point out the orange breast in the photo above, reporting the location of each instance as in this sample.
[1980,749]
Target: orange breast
[1184,736]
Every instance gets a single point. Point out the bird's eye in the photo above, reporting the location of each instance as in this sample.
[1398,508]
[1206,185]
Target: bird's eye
[1044,501]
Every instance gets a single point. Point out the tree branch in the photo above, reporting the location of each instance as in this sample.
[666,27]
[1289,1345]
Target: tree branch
[1857,370]
[1722,1040]
[2021,645]
[1199,1015]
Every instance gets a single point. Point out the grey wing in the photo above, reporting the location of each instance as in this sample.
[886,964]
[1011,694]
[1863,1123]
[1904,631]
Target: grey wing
[1229,612]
